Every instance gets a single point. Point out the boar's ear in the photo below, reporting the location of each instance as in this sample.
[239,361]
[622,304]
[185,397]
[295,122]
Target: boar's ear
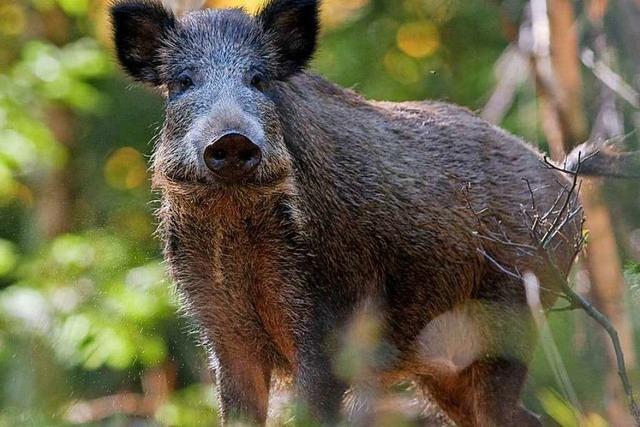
[293,27]
[140,28]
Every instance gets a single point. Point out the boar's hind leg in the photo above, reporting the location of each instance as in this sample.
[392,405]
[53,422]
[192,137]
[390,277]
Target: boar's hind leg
[485,391]
[485,394]
[243,388]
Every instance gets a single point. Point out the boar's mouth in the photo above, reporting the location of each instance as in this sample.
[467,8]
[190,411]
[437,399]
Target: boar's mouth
[181,178]
[178,177]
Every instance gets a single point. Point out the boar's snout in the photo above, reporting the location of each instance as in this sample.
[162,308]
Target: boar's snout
[232,157]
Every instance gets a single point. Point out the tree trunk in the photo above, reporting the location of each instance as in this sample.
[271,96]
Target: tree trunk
[54,207]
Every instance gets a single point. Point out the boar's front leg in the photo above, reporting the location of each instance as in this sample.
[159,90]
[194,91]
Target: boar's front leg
[242,372]
[243,386]
[241,368]
[318,387]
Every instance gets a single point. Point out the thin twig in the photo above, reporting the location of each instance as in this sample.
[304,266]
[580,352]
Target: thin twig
[533,199]
[498,265]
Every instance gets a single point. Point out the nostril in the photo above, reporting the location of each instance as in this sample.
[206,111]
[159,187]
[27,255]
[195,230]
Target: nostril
[218,155]
[214,155]
[247,156]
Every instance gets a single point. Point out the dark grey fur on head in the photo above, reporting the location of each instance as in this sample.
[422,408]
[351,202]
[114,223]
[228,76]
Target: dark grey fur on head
[284,32]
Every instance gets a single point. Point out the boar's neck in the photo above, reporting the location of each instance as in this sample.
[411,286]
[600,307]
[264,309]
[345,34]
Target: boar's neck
[336,139]
[325,124]
[339,146]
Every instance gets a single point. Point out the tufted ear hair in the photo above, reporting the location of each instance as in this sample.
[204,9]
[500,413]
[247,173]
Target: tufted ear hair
[292,26]
[140,27]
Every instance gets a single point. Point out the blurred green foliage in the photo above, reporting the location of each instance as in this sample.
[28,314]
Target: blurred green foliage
[87,314]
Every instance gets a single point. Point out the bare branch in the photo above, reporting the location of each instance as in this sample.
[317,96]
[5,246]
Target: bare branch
[570,307]
[499,266]
[511,70]
[610,78]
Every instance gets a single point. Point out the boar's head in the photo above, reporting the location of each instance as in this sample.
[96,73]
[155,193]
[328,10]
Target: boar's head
[217,70]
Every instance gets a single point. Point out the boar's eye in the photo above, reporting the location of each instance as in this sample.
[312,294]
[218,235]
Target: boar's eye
[256,80]
[182,83]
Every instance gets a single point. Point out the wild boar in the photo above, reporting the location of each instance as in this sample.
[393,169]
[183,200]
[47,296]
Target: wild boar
[289,203]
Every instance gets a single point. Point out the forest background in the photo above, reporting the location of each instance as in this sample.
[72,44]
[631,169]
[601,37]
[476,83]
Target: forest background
[89,330]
